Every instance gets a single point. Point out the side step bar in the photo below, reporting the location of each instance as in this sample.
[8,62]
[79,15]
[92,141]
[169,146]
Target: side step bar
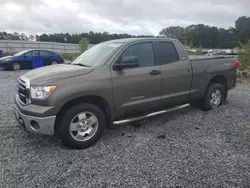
[150,115]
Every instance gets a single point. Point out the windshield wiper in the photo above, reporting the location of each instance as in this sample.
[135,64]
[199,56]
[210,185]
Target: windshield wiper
[79,64]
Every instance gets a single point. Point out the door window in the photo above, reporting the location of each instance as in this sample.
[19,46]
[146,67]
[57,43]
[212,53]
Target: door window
[166,53]
[144,53]
[32,53]
[44,53]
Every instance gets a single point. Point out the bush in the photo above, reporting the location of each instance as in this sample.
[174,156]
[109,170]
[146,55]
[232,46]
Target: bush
[83,45]
[69,57]
[244,56]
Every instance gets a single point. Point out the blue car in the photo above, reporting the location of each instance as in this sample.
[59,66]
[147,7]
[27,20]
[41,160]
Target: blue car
[24,59]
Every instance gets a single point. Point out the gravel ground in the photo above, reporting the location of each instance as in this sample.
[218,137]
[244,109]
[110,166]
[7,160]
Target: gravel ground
[187,148]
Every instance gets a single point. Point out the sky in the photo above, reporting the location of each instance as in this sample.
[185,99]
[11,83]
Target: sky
[137,17]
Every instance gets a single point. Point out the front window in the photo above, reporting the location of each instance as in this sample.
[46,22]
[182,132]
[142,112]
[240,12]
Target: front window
[97,55]
[31,53]
[144,53]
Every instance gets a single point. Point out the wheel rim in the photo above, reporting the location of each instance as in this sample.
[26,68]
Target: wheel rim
[16,66]
[215,98]
[54,63]
[83,126]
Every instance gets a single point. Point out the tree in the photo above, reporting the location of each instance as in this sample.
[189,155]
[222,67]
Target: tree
[31,38]
[174,32]
[83,45]
[242,27]
[244,56]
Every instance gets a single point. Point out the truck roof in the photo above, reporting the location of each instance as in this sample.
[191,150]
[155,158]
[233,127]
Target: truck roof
[127,40]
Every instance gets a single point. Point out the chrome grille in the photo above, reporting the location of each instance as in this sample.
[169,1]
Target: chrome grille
[23,91]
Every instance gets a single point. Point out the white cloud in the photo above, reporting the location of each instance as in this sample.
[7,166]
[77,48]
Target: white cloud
[116,16]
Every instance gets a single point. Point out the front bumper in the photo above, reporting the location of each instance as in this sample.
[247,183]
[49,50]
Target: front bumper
[34,124]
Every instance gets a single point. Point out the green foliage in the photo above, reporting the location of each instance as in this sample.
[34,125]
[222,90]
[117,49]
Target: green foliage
[69,57]
[211,37]
[244,56]
[191,44]
[200,48]
[83,45]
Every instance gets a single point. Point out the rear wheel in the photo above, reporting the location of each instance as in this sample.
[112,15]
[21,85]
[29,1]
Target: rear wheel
[81,126]
[213,97]
[54,62]
[16,66]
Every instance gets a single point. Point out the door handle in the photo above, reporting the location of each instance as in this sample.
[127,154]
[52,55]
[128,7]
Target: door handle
[155,72]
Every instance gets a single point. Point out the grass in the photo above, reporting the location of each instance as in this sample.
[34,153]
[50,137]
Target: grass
[194,53]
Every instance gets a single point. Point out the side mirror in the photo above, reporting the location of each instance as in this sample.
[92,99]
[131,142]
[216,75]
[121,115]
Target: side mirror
[127,62]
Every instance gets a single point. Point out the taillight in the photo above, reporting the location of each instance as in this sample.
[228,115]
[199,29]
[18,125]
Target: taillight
[237,64]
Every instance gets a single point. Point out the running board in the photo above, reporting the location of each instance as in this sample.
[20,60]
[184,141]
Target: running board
[150,115]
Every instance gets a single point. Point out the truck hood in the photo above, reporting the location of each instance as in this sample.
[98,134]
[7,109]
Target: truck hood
[55,72]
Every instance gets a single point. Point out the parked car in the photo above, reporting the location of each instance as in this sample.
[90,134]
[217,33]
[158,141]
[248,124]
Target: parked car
[23,59]
[117,82]
[210,53]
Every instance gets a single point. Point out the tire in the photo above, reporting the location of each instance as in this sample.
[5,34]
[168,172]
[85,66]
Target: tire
[54,62]
[15,66]
[225,95]
[73,133]
[213,89]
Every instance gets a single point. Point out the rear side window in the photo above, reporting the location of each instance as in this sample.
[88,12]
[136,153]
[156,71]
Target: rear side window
[44,53]
[166,53]
[143,51]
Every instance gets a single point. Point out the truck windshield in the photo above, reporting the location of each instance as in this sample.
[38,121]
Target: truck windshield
[97,55]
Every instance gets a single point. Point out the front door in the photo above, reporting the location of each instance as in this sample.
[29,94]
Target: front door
[137,90]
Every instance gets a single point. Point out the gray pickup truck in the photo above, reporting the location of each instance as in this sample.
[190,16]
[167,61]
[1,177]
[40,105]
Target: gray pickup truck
[118,82]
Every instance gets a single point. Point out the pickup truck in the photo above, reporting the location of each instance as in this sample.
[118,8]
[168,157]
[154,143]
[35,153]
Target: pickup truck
[116,82]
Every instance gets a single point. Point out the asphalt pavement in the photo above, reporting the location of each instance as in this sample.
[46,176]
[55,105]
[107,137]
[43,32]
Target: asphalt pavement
[185,148]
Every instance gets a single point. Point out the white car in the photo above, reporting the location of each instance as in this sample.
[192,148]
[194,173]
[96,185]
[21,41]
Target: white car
[210,53]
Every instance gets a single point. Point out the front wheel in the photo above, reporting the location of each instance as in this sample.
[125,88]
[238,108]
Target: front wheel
[16,66]
[213,97]
[81,126]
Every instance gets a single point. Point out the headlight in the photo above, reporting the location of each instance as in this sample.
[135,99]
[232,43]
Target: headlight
[41,92]
[8,59]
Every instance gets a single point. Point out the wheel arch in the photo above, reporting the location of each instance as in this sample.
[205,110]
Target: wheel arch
[220,79]
[96,100]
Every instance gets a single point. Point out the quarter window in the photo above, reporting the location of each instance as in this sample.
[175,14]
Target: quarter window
[166,53]
[45,53]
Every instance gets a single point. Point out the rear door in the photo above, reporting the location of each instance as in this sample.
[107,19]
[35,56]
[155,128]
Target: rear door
[137,89]
[46,57]
[176,73]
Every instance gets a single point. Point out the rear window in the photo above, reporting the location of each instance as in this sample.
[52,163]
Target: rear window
[44,53]
[166,53]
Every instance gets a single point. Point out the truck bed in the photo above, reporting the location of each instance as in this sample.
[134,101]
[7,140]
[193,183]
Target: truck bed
[204,57]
